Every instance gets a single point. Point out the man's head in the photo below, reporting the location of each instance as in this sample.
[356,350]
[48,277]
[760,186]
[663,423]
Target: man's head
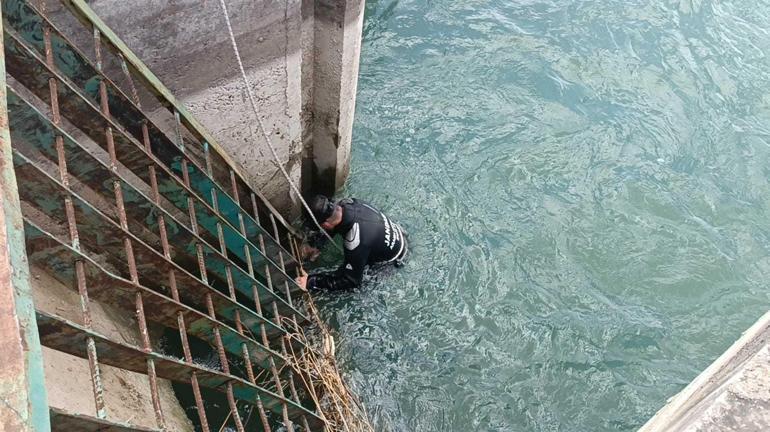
[326,212]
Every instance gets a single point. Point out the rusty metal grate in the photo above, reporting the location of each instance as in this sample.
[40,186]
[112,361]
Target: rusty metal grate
[157,223]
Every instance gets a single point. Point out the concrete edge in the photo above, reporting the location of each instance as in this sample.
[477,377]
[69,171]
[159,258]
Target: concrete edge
[713,377]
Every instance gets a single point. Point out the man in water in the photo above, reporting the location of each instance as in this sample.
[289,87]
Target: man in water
[370,238]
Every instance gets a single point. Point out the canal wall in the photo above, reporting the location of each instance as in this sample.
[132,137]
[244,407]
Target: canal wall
[301,57]
[731,395]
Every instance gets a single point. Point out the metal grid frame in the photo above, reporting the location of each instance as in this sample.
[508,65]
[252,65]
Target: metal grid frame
[182,241]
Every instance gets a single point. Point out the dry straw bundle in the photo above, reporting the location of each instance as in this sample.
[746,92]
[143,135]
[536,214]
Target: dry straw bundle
[317,365]
[316,362]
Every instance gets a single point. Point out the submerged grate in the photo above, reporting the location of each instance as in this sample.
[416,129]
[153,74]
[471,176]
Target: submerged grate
[151,219]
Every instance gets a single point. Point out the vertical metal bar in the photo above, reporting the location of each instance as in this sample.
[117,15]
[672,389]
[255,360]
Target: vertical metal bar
[23,392]
[276,314]
[220,232]
[299,270]
[293,319]
[281,261]
[129,80]
[255,208]
[129,250]
[263,416]
[225,365]
[276,377]
[93,362]
[277,320]
[167,253]
[274,371]
[250,373]
[209,303]
[249,263]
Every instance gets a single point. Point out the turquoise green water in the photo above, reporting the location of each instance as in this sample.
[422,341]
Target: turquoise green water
[586,188]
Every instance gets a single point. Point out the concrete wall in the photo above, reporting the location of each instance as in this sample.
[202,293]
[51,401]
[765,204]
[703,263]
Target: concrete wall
[731,395]
[301,57]
[68,378]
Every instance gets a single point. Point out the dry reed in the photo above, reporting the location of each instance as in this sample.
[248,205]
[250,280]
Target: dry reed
[317,365]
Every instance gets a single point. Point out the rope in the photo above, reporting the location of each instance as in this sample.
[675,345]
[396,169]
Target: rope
[262,126]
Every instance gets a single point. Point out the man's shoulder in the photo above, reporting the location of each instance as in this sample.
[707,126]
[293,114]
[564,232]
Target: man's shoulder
[353,237]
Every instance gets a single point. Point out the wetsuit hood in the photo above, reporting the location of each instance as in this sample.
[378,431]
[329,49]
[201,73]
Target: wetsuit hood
[348,216]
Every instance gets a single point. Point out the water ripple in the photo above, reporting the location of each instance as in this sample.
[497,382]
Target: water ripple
[585,185]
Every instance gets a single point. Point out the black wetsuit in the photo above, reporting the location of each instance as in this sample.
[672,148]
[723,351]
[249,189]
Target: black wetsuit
[370,237]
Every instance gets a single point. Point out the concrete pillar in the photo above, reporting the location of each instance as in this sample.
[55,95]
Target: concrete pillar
[338,26]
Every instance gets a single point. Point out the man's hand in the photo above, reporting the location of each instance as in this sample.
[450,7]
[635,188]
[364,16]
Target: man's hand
[302,280]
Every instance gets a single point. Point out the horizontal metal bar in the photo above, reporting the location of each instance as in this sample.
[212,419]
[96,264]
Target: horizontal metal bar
[64,421]
[83,12]
[87,116]
[62,335]
[50,253]
[100,233]
[72,63]
[31,126]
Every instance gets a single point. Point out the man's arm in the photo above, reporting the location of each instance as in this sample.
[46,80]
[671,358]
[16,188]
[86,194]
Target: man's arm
[347,277]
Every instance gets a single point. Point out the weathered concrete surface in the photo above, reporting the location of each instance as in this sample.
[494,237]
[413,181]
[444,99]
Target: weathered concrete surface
[300,55]
[68,378]
[733,394]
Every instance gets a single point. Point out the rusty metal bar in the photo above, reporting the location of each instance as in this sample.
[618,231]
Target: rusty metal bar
[120,204]
[22,381]
[292,385]
[279,387]
[210,307]
[93,362]
[260,407]
[68,337]
[45,249]
[181,322]
[153,84]
[24,58]
[277,319]
[273,369]
[142,208]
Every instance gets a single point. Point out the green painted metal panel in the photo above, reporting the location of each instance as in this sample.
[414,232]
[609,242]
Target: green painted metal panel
[88,16]
[22,380]
[69,337]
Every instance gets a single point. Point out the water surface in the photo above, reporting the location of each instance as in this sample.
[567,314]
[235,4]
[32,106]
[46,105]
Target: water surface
[585,184]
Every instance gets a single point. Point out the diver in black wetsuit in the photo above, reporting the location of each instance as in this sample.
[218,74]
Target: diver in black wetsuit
[370,238]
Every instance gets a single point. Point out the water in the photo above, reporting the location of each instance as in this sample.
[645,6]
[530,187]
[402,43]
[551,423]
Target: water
[585,184]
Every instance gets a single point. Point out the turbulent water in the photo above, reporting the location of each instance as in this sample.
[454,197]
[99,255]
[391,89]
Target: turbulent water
[585,184]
